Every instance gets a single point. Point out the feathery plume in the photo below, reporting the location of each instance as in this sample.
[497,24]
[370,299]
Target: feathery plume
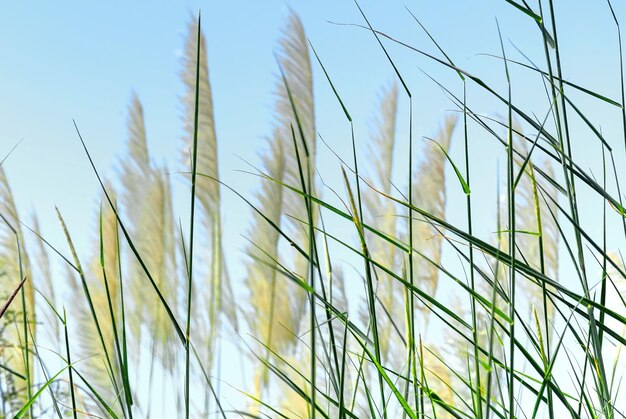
[157,247]
[539,242]
[381,214]
[294,60]
[14,266]
[277,309]
[135,174]
[429,194]
[216,293]
[43,281]
[272,314]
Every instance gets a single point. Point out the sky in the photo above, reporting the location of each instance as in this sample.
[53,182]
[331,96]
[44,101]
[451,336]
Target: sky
[82,61]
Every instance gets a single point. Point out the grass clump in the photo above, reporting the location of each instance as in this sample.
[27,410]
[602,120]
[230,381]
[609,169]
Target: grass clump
[378,295]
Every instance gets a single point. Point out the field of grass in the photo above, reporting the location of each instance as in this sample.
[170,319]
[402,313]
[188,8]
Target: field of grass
[370,286]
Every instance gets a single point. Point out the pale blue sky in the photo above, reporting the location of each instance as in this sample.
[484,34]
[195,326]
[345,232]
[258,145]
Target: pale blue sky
[82,60]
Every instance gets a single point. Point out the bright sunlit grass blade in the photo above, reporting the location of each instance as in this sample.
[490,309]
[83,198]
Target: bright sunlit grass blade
[24,410]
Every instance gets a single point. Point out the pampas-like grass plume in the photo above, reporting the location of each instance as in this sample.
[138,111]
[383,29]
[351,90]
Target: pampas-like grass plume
[295,64]
[535,216]
[277,306]
[215,292]
[135,176]
[272,316]
[15,353]
[381,214]
[147,203]
[103,284]
[429,194]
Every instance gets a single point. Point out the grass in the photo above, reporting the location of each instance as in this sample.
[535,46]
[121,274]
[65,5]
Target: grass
[534,323]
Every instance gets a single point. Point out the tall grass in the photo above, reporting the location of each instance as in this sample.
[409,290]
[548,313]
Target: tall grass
[433,318]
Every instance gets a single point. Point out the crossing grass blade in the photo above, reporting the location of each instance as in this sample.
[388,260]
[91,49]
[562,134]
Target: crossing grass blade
[8,302]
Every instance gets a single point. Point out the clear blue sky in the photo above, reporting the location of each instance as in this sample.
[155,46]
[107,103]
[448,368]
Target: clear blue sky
[82,60]
[64,61]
